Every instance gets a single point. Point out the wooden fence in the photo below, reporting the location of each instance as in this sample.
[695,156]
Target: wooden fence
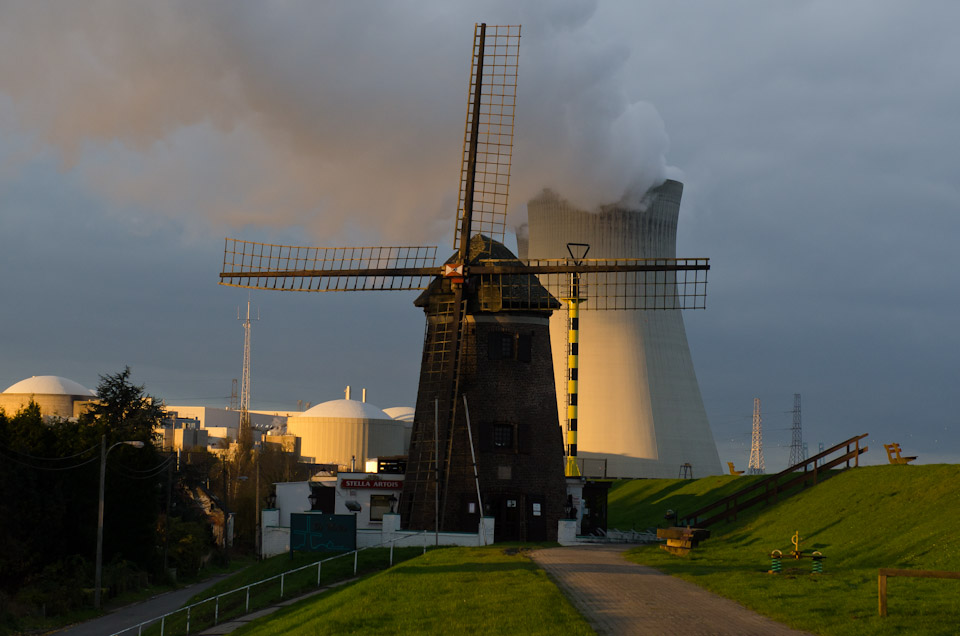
[923,574]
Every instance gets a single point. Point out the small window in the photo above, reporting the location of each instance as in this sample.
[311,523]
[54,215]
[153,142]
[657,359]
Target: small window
[525,347]
[500,345]
[380,505]
[502,436]
[504,472]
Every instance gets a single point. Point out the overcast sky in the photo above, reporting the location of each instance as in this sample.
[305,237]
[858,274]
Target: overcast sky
[817,141]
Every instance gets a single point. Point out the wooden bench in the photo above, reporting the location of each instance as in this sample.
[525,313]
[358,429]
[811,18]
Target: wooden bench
[893,454]
[926,574]
[681,540]
[733,471]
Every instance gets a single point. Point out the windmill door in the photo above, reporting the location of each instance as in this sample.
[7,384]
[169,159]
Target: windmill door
[536,519]
[508,515]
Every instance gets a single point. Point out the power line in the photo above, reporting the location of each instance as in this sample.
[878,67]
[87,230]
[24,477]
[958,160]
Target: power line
[52,468]
[51,459]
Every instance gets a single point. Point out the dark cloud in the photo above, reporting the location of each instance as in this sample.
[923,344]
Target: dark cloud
[816,142]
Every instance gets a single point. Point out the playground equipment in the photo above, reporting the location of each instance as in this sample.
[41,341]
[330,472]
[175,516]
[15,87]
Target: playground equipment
[893,454]
[776,565]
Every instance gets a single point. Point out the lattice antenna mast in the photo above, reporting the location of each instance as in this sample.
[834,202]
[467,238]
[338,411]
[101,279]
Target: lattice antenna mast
[755,466]
[797,452]
[245,435]
[234,397]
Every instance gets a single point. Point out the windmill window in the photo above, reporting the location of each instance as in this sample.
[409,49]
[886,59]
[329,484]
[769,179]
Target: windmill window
[502,436]
[500,345]
[506,345]
[525,347]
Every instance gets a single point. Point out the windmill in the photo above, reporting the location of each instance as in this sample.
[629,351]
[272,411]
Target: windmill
[486,423]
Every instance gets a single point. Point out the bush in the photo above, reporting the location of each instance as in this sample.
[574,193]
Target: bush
[58,589]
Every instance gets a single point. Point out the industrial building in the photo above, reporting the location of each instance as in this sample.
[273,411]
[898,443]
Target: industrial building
[640,409]
[348,432]
[56,396]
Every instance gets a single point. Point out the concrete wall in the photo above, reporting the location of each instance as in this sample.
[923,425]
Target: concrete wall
[54,405]
[639,402]
[276,538]
[292,496]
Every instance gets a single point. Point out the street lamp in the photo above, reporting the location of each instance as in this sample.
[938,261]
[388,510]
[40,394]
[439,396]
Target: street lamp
[103,477]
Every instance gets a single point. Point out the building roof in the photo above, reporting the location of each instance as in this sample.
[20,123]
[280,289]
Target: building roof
[50,385]
[350,409]
[402,413]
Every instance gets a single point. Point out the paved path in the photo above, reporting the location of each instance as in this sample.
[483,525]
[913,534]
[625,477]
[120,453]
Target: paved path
[620,597]
[129,616]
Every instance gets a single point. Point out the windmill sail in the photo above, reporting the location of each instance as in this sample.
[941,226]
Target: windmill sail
[485,177]
[320,269]
[604,284]
[607,284]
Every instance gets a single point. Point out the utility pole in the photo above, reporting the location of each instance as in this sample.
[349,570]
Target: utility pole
[756,466]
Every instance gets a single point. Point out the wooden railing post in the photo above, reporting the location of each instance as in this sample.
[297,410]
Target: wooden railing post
[882,591]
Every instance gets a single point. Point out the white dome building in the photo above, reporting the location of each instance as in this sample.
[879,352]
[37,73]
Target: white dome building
[347,433]
[403,414]
[56,396]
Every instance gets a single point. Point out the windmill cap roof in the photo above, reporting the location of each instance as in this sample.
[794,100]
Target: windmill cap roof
[350,409]
[50,385]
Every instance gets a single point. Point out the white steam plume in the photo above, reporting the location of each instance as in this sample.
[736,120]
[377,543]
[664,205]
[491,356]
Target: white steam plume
[336,117]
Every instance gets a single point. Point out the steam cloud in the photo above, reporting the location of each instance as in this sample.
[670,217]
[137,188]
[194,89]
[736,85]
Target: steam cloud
[340,118]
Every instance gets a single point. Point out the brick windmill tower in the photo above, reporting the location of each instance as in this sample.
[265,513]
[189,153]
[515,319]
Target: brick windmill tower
[486,438]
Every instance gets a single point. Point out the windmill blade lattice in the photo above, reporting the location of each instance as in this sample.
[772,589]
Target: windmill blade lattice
[604,284]
[494,73]
[322,269]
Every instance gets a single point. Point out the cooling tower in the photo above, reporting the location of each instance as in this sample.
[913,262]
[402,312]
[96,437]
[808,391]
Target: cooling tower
[640,408]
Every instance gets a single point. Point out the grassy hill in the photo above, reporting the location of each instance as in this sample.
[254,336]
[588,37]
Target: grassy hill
[861,520]
[639,504]
[493,590]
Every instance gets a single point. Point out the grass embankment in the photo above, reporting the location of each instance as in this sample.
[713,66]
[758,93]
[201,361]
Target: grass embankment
[861,520]
[641,504]
[337,568]
[493,590]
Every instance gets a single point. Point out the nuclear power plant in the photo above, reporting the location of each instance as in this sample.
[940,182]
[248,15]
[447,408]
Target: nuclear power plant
[640,409]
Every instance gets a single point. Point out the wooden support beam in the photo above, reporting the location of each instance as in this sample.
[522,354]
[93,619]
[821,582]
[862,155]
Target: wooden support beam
[919,574]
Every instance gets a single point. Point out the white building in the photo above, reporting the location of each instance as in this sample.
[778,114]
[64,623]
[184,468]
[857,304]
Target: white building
[347,433]
[56,396]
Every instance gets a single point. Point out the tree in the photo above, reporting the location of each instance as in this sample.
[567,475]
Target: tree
[124,411]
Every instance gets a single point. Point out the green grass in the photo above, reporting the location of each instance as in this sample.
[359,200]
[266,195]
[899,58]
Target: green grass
[493,590]
[861,520]
[640,504]
[233,600]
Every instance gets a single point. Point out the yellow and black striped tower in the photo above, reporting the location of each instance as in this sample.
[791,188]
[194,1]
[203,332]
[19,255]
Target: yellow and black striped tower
[573,352]
[578,251]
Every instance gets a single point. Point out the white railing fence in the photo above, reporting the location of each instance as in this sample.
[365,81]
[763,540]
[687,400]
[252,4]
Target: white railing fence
[237,602]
